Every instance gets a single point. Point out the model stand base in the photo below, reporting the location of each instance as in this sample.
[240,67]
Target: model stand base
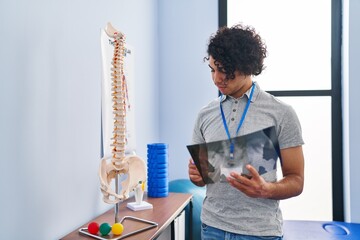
[117,237]
[137,207]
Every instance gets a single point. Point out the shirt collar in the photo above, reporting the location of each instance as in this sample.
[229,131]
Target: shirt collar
[247,93]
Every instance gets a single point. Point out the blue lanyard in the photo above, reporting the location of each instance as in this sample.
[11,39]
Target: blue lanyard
[240,123]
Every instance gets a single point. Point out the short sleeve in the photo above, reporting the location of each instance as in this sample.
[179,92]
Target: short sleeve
[290,133]
[197,136]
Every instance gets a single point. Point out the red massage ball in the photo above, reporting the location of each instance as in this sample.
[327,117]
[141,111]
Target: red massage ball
[93,228]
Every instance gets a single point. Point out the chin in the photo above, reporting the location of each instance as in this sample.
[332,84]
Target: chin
[222,91]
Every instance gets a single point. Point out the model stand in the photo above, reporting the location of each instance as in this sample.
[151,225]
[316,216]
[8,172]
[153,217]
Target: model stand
[130,218]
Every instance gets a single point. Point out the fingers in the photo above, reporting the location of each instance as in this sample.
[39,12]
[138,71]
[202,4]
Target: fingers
[255,186]
[193,171]
[237,179]
[194,174]
[192,166]
[253,171]
[244,180]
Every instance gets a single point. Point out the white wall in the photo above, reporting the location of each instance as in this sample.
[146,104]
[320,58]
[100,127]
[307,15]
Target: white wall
[351,87]
[50,108]
[185,80]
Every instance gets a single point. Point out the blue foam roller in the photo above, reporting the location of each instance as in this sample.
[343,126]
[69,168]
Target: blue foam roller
[157,171]
[157,165]
[152,175]
[157,180]
[158,195]
[157,153]
[157,157]
[163,184]
[157,161]
[158,150]
[153,146]
[158,189]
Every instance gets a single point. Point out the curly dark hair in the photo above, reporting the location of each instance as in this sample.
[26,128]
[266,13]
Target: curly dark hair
[237,48]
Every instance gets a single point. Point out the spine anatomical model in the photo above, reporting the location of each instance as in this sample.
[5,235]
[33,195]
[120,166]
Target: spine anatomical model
[131,167]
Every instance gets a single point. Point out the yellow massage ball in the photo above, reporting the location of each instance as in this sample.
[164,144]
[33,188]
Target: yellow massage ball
[117,228]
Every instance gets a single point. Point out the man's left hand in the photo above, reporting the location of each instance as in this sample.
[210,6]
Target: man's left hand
[254,186]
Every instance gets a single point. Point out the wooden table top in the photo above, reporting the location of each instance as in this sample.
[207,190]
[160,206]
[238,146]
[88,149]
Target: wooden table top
[164,211]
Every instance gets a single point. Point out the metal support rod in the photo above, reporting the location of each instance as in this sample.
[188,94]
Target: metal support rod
[117,205]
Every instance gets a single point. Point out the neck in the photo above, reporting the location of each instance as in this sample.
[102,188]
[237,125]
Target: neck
[244,88]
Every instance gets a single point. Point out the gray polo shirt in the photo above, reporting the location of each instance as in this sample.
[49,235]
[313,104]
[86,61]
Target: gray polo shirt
[225,207]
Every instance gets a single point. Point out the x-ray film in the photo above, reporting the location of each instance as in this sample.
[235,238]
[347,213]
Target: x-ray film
[259,149]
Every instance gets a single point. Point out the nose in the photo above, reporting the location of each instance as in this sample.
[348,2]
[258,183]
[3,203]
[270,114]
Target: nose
[219,77]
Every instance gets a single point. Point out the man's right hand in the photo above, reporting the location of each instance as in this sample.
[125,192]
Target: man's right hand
[194,174]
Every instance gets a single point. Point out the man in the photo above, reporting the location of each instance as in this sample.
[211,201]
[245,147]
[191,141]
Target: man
[245,207]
